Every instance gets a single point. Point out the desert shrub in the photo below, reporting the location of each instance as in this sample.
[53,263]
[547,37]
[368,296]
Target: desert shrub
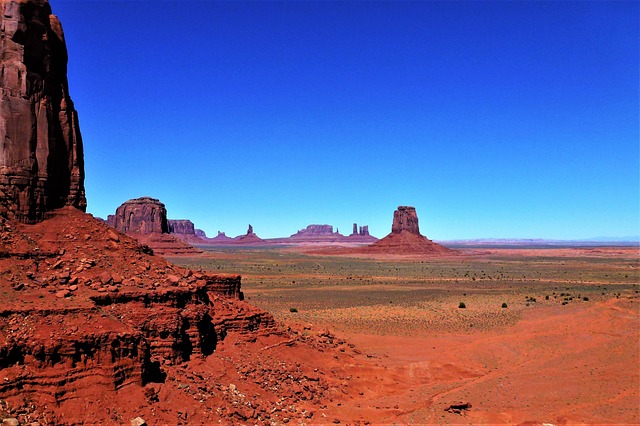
[546,297]
[293,310]
[586,299]
[461,305]
[504,305]
[564,303]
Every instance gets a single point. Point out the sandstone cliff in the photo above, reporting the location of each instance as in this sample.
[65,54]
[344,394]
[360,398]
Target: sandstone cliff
[41,158]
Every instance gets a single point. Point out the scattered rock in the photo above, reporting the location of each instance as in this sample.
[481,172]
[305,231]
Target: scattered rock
[458,408]
[63,293]
[138,421]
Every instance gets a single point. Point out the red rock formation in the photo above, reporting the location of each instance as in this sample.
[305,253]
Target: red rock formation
[88,315]
[249,238]
[405,237]
[405,219]
[145,218]
[185,231]
[41,158]
[181,226]
[142,216]
[315,231]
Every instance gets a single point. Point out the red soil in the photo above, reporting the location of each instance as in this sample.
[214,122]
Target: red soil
[93,329]
[576,365]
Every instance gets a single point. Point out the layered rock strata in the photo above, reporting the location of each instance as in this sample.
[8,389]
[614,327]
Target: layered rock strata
[95,310]
[41,156]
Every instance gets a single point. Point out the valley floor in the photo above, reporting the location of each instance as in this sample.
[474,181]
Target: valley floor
[564,348]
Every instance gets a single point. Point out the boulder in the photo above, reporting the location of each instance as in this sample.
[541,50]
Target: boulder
[41,155]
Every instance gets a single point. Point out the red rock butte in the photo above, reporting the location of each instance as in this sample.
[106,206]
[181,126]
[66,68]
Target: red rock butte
[145,218]
[405,236]
[41,157]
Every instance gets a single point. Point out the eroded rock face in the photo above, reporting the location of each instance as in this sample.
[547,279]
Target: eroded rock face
[181,226]
[405,219]
[143,216]
[41,156]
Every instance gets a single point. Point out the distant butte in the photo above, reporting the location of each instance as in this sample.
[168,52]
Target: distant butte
[405,236]
[145,219]
[249,238]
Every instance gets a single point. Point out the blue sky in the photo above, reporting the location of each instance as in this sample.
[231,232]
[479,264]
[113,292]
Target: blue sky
[493,118]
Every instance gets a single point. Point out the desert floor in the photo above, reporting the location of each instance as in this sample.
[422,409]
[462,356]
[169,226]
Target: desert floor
[565,349]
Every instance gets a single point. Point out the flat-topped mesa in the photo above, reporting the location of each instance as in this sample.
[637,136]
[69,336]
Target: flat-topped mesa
[314,230]
[41,156]
[143,216]
[405,219]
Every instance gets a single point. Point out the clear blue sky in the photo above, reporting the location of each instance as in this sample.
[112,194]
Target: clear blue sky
[493,118]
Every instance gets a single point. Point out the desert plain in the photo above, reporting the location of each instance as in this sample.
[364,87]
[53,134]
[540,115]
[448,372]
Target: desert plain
[546,335]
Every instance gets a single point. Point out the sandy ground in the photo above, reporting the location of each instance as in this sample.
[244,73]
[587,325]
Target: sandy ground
[569,358]
[569,365]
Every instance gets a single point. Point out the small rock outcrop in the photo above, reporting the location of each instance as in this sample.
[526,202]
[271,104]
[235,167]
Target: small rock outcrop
[405,237]
[41,156]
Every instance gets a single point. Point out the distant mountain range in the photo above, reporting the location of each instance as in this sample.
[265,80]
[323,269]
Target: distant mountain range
[596,241]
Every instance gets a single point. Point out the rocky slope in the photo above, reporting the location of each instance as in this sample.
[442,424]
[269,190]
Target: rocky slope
[94,328]
[41,158]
